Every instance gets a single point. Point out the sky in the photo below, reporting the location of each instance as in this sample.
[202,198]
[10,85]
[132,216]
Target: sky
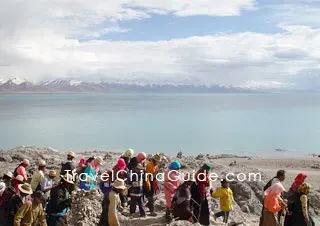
[242,43]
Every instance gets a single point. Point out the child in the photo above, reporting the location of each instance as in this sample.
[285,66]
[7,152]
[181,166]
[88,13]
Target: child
[226,200]
[136,190]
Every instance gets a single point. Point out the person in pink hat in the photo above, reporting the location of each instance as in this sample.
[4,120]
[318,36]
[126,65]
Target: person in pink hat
[21,169]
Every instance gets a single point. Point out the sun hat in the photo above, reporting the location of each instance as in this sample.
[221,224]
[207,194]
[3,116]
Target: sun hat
[175,165]
[67,178]
[52,173]
[99,160]
[141,157]
[71,154]
[129,153]
[25,188]
[8,174]
[156,157]
[25,162]
[119,184]
[42,163]
[121,164]
[19,178]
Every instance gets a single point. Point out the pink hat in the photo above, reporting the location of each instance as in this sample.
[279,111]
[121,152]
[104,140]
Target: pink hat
[121,164]
[141,157]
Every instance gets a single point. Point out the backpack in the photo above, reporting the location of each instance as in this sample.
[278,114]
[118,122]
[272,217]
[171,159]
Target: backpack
[268,184]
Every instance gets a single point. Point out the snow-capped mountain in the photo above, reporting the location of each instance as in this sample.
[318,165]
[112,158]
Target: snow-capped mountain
[61,82]
[17,85]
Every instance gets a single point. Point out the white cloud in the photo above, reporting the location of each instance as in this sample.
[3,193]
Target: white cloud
[231,59]
[40,40]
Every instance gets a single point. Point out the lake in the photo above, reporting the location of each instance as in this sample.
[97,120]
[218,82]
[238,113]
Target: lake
[246,124]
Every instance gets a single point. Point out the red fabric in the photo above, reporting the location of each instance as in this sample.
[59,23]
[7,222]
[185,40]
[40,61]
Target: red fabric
[299,180]
[156,187]
[203,182]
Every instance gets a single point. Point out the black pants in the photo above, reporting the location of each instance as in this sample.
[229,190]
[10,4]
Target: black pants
[133,205]
[123,199]
[223,214]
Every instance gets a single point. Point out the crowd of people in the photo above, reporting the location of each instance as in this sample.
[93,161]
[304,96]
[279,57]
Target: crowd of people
[132,184]
[286,208]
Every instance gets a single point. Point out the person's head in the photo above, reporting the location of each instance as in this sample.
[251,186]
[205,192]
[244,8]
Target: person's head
[7,176]
[37,197]
[71,155]
[206,167]
[121,164]
[225,183]
[19,179]
[52,174]
[175,165]
[42,164]
[119,185]
[299,180]
[98,161]
[25,163]
[156,159]
[139,168]
[141,157]
[304,188]
[281,175]
[129,153]
[275,190]
[25,189]
[66,181]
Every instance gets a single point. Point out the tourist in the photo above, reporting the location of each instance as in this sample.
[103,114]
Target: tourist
[119,171]
[135,183]
[300,208]
[199,195]
[139,159]
[87,180]
[181,201]
[272,205]
[31,212]
[5,182]
[291,196]
[38,176]
[17,201]
[68,166]
[224,193]
[279,178]
[171,183]
[127,156]
[21,169]
[110,204]
[46,185]
[60,201]
[151,187]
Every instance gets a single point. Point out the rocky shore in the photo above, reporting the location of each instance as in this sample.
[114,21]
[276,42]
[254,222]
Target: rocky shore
[248,194]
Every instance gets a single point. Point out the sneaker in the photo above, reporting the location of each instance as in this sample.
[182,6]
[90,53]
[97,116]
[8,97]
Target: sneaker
[143,215]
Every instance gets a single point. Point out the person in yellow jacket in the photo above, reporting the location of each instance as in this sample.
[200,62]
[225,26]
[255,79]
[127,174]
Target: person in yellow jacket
[224,193]
[31,212]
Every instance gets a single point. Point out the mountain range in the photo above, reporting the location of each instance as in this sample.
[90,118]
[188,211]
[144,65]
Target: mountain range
[19,85]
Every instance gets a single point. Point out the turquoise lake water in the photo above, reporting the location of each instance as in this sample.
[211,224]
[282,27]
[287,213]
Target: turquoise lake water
[253,124]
